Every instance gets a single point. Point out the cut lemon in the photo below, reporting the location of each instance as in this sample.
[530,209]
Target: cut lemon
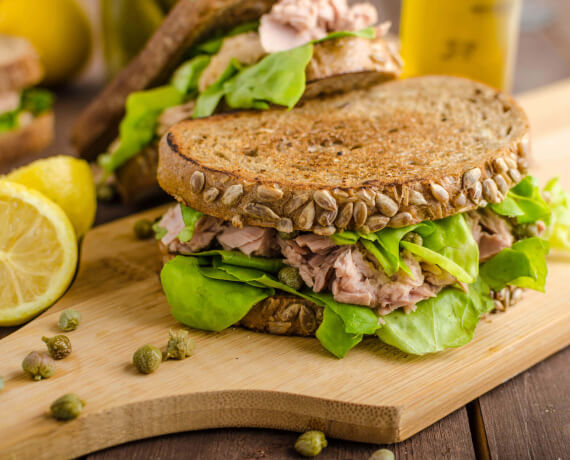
[38,253]
[68,182]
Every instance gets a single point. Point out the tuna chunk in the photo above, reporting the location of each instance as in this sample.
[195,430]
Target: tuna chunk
[292,23]
[491,232]
[253,241]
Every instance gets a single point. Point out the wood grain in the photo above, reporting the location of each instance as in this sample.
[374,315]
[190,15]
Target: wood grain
[239,378]
[448,438]
[529,417]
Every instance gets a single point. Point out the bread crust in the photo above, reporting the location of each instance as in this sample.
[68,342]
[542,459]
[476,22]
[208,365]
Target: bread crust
[188,23]
[20,65]
[16,145]
[396,154]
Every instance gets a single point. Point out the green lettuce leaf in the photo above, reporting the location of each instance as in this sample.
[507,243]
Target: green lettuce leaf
[558,232]
[138,127]
[524,202]
[523,265]
[446,321]
[33,100]
[159,232]
[204,303]
[278,79]
[447,243]
[190,217]
[209,99]
[242,260]
[185,78]
[333,336]
[368,32]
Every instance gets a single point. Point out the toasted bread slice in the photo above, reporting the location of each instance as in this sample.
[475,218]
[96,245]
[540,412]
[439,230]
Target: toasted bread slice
[16,145]
[337,66]
[393,155]
[187,23]
[20,66]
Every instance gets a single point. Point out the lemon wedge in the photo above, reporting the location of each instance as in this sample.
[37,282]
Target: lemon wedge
[68,182]
[38,253]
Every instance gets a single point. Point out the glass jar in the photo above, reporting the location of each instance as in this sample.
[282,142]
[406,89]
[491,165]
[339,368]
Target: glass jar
[470,38]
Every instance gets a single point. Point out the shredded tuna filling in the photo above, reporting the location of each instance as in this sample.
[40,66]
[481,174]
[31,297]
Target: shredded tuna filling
[350,273]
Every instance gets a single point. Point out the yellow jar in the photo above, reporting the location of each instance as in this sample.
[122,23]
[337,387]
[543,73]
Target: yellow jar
[471,38]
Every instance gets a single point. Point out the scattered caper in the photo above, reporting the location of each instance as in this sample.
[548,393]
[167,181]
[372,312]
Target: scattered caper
[1,383]
[147,359]
[58,347]
[311,443]
[69,319]
[288,236]
[39,365]
[414,237]
[382,454]
[179,346]
[290,276]
[67,407]
[105,192]
[143,229]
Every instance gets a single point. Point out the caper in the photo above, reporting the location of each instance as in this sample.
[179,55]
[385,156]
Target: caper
[311,443]
[67,407]
[147,359]
[143,229]
[382,454]
[38,365]
[69,319]
[414,237]
[179,346]
[58,347]
[1,383]
[105,192]
[288,236]
[290,276]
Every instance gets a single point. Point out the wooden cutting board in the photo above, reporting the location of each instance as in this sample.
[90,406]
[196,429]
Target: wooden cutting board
[241,378]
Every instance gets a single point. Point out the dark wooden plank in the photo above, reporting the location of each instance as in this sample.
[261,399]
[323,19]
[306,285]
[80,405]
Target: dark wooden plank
[448,438]
[528,417]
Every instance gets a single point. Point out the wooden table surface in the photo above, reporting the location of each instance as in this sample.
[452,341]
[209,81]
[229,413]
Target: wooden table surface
[526,417]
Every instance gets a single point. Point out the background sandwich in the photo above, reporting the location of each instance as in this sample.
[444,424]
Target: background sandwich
[402,211]
[26,119]
[216,56]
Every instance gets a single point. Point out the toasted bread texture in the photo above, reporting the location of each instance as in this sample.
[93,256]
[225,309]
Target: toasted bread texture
[20,66]
[396,154]
[15,145]
[189,22]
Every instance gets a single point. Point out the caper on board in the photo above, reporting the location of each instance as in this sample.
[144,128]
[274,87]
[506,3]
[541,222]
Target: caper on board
[311,443]
[58,347]
[382,454]
[67,407]
[143,229]
[39,365]
[69,320]
[147,359]
[1,383]
[180,345]
[291,277]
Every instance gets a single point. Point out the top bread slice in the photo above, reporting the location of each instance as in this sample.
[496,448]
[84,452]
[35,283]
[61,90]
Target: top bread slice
[20,66]
[393,155]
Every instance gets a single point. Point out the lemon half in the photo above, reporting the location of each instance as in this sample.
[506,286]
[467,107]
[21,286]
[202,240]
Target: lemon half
[38,253]
[68,182]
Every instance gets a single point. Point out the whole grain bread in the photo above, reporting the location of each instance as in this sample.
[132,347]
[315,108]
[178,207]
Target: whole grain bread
[17,144]
[395,154]
[189,22]
[20,66]
[337,66]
